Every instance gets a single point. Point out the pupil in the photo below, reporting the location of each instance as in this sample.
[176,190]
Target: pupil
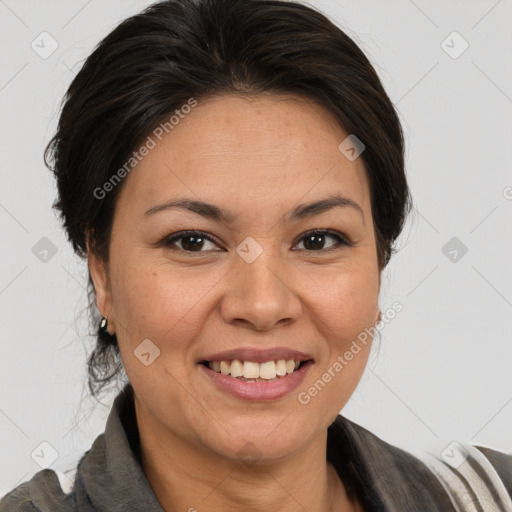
[197,242]
[318,237]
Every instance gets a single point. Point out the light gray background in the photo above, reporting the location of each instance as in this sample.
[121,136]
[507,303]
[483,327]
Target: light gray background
[444,370]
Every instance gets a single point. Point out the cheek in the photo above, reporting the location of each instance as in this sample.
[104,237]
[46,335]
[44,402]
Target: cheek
[346,301]
[345,313]
[150,300]
[156,328]
[167,306]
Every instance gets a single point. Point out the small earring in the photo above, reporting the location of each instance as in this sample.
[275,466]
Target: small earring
[104,324]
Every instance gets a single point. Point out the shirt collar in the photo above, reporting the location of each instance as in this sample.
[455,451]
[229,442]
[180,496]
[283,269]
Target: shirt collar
[110,476]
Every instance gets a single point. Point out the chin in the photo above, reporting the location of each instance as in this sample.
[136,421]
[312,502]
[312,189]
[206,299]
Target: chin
[267,440]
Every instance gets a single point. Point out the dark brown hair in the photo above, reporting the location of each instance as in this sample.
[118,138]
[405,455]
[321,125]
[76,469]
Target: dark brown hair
[154,62]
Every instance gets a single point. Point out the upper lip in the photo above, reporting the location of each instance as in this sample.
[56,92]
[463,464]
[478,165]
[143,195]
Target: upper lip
[258,355]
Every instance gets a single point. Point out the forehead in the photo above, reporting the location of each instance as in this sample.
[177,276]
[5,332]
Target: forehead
[249,153]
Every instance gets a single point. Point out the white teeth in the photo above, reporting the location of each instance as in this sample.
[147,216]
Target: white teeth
[251,370]
[281,367]
[267,370]
[237,370]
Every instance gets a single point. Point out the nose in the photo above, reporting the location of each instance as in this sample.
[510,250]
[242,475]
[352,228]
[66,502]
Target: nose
[260,294]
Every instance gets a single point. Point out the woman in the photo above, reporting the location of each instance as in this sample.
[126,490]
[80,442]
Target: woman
[233,171]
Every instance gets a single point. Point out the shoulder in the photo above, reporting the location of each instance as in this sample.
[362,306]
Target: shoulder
[17,500]
[474,476]
[401,480]
[42,493]
[455,475]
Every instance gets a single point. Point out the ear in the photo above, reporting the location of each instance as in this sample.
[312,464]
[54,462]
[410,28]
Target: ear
[101,279]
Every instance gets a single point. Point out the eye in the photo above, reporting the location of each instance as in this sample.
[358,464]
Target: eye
[191,241]
[194,241]
[314,240]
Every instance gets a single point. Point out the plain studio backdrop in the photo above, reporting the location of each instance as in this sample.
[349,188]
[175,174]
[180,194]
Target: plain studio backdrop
[444,368]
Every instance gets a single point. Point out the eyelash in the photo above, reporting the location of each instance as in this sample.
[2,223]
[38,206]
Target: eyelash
[342,241]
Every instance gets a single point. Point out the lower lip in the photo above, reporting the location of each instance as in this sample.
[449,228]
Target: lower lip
[258,391]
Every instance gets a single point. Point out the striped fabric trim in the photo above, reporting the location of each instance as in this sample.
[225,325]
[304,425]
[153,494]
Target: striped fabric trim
[469,479]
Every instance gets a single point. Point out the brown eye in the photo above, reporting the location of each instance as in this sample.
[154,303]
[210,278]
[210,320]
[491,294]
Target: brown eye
[191,241]
[315,240]
[194,241]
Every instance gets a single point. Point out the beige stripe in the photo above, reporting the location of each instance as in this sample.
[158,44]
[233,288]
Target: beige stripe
[453,485]
[484,463]
[478,485]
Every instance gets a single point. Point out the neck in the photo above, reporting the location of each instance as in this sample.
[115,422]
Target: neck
[192,478]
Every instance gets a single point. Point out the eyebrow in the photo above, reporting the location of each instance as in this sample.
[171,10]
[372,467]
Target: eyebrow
[213,212]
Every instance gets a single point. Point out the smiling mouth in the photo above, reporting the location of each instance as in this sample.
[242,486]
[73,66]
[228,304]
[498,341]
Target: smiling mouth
[250,371]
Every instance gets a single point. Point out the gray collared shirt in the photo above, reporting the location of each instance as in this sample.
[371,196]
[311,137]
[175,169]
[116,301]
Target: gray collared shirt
[109,476]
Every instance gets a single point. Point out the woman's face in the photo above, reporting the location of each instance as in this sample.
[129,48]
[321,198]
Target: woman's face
[261,288]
